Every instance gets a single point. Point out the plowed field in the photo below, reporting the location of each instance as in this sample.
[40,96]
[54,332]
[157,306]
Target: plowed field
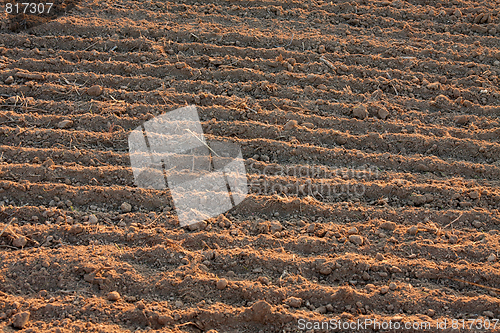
[371,137]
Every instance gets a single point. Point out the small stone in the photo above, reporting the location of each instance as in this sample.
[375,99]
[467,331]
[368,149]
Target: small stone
[92,219]
[264,280]
[412,230]
[474,195]
[321,309]
[489,314]
[360,111]
[379,256]
[261,310]
[126,207]
[65,124]
[197,226]
[290,125]
[20,319]
[382,113]
[329,307]
[457,13]
[352,231]
[388,225]
[393,286]
[430,312]
[462,119]
[95,90]
[9,80]
[492,258]
[19,241]
[356,239]
[308,125]
[48,163]
[434,86]
[276,226]
[113,296]
[294,302]
[178,304]
[76,229]
[322,87]
[321,49]
[477,224]
[180,65]
[221,284]
[163,320]
[343,68]
[325,270]
[384,290]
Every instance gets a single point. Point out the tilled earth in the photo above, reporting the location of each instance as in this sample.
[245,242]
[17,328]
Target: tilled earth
[371,137]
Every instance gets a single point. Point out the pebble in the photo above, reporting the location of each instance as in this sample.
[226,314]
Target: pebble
[20,319]
[393,286]
[489,314]
[492,258]
[308,125]
[261,309]
[388,225]
[412,230]
[126,207]
[430,312]
[221,284]
[76,229]
[477,224]
[360,111]
[321,309]
[290,125]
[343,68]
[276,226]
[197,226]
[95,90]
[113,296]
[9,80]
[65,124]
[356,239]
[321,49]
[294,302]
[382,113]
[384,290]
[352,231]
[19,241]
[180,65]
[325,270]
[379,256]
[92,219]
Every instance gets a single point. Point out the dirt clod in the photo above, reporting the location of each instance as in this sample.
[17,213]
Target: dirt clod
[222,284]
[94,91]
[360,111]
[356,239]
[20,320]
[65,124]
[126,207]
[20,241]
[294,302]
[113,296]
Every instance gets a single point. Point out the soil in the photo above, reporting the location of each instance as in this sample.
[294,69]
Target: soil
[371,137]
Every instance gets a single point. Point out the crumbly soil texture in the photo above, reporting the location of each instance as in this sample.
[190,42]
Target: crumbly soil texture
[371,137]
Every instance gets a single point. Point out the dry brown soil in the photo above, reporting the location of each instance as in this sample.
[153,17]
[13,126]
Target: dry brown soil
[392,106]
